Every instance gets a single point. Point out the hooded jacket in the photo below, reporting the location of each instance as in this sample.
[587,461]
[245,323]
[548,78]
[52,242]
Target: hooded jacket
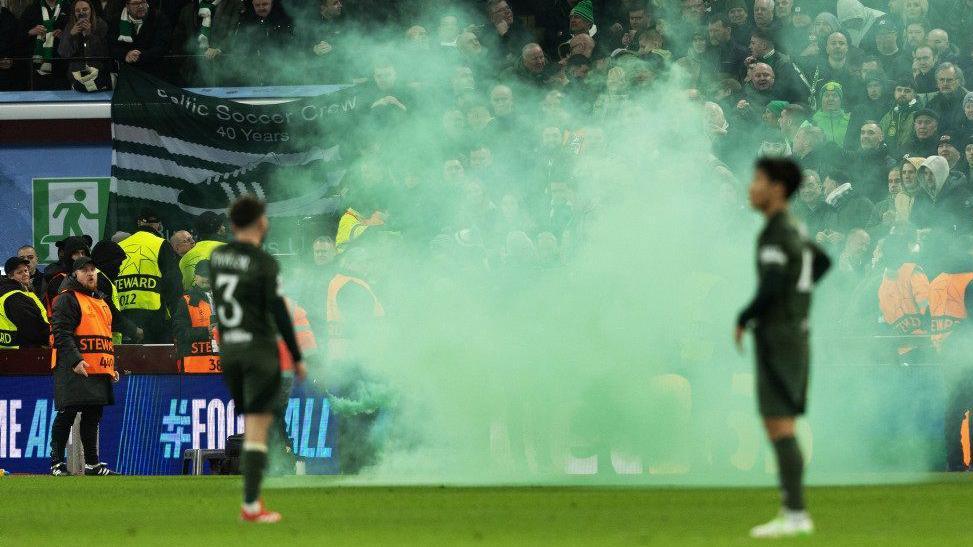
[853,9]
[946,204]
[108,257]
[33,331]
[55,273]
[897,126]
[834,125]
[71,389]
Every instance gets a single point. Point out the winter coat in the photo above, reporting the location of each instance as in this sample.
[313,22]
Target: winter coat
[897,126]
[33,330]
[263,43]
[9,46]
[850,211]
[788,75]
[870,168]
[30,18]
[95,45]
[948,206]
[921,148]
[185,40]
[867,110]
[55,273]
[949,107]
[834,125]
[152,41]
[71,389]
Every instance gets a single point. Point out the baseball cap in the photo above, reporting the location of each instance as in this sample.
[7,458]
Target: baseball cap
[887,25]
[954,139]
[208,223]
[928,112]
[13,263]
[81,263]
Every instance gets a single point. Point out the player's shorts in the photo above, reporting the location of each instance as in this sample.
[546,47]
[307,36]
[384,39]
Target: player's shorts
[782,370]
[253,380]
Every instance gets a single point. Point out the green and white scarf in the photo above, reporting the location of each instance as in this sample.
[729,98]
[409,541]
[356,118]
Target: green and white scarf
[205,14]
[44,44]
[128,27]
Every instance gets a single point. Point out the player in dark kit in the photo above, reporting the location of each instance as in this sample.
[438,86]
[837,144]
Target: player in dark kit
[250,311]
[788,265]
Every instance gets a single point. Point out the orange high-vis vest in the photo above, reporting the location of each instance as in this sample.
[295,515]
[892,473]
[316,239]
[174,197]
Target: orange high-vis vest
[947,304]
[904,299]
[302,331]
[202,358]
[337,339]
[93,336]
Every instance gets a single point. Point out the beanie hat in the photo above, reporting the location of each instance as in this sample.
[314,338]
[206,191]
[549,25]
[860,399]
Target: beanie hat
[72,244]
[834,86]
[584,10]
[928,112]
[13,263]
[108,257]
[777,107]
[906,81]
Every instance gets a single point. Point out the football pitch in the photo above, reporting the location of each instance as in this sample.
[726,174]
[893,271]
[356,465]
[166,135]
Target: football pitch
[203,511]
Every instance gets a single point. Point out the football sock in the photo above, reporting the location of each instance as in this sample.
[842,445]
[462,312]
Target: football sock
[253,461]
[790,464]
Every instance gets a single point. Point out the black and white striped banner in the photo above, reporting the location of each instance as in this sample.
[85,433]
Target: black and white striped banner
[183,153]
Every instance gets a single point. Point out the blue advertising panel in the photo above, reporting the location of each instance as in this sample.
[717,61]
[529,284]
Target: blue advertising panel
[153,421]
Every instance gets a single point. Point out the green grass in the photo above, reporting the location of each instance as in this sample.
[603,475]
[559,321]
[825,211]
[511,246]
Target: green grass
[203,511]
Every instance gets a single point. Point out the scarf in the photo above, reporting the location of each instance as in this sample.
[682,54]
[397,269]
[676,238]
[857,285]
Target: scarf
[205,14]
[44,44]
[128,27]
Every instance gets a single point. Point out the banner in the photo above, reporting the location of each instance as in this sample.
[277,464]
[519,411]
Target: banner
[154,420]
[65,207]
[184,153]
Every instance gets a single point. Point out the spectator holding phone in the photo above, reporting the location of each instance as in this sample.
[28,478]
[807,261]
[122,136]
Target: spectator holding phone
[85,45]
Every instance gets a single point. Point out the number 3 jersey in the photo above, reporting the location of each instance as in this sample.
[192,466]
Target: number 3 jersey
[245,282]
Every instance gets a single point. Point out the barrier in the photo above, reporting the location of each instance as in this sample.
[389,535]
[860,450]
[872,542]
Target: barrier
[864,418]
[157,415]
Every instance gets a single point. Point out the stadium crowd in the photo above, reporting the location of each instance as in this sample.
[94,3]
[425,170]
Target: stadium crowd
[870,99]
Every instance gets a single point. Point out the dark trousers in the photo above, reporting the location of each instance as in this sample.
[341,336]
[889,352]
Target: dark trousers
[959,385]
[90,418]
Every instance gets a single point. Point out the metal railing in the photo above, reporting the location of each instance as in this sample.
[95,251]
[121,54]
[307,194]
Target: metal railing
[167,66]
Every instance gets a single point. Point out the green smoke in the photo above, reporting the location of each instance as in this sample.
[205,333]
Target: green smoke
[506,359]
